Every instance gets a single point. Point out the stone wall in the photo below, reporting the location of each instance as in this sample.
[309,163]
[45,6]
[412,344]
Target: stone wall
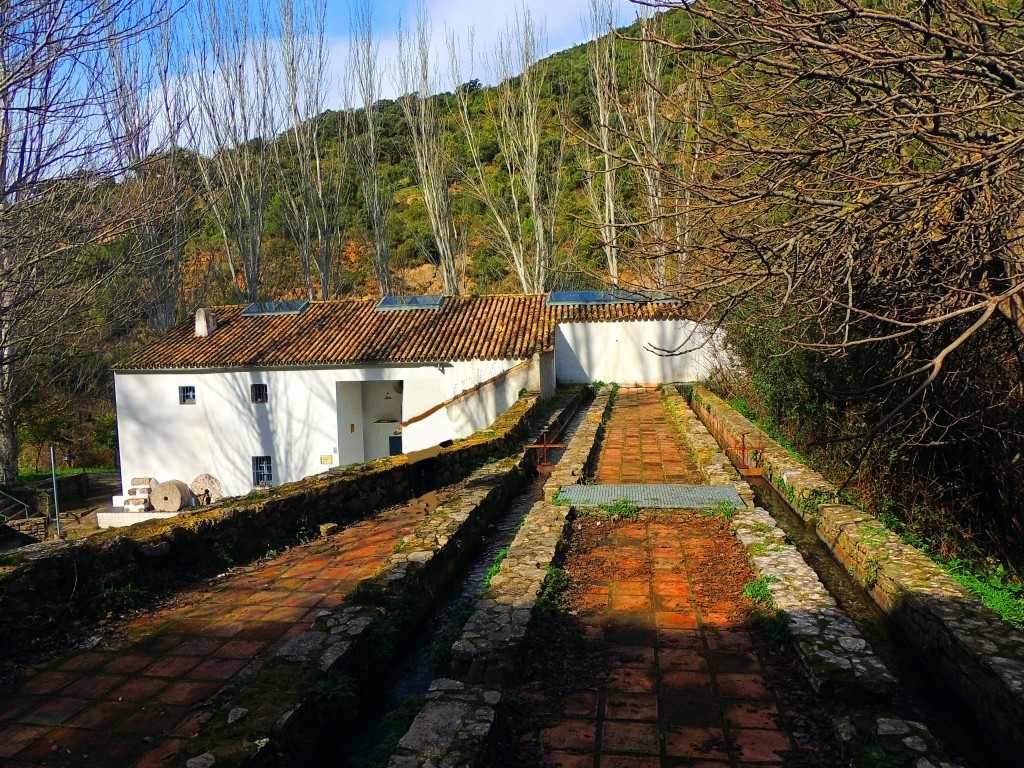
[453,726]
[47,584]
[976,653]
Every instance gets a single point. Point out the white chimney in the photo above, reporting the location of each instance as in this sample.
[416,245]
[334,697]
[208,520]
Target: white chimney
[206,322]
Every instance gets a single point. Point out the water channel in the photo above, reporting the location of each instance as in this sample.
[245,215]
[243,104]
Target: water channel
[921,695]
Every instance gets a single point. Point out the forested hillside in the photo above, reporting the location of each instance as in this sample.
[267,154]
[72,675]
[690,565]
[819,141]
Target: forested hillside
[836,185]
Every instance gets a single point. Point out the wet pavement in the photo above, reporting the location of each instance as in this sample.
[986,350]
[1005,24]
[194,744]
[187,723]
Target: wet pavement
[134,700]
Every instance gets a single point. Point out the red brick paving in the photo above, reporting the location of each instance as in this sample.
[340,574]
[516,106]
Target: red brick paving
[641,445]
[134,704]
[682,686]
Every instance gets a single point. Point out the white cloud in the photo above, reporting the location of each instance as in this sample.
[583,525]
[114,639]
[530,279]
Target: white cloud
[564,23]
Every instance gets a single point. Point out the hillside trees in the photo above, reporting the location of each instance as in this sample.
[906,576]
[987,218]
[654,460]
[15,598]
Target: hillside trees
[60,203]
[868,172]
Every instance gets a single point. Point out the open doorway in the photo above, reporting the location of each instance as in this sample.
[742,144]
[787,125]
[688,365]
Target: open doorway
[382,416]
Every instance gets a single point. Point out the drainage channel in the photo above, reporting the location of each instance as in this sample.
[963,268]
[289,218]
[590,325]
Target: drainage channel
[371,738]
[921,695]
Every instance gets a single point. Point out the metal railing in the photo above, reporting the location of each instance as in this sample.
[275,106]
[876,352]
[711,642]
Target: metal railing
[746,456]
[3,510]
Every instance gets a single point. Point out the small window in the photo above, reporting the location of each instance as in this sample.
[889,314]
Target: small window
[258,393]
[262,473]
[187,395]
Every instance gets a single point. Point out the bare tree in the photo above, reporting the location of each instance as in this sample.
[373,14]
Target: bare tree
[61,207]
[317,144]
[377,194]
[234,118]
[599,153]
[522,200]
[417,80]
[869,166]
[143,116]
[648,136]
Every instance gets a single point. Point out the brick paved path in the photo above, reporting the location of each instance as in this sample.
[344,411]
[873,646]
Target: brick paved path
[683,686]
[641,446]
[134,704]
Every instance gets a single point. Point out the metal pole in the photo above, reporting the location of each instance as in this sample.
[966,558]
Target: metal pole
[56,501]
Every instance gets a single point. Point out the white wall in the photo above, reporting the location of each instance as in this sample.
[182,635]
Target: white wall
[479,410]
[623,352]
[310,413]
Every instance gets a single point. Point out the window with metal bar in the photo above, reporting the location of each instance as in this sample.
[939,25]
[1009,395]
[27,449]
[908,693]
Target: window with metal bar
[259,393]
[186,395]
[262,471]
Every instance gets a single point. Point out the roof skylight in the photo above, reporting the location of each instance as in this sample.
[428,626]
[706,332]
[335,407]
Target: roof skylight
[401,303]
[264,308]
[617,296]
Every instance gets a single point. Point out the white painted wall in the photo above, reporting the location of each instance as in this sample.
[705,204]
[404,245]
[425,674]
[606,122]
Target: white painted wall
[311,412]
[623,352]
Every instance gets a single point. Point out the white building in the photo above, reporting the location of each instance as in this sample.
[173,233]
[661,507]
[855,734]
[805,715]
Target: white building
[273,393]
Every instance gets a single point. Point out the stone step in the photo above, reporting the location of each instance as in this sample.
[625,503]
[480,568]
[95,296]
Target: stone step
[142,481]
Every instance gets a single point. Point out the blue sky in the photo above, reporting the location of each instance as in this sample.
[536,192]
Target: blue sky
[564,22]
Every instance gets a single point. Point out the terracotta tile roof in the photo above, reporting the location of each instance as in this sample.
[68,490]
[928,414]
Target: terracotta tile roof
[500,327]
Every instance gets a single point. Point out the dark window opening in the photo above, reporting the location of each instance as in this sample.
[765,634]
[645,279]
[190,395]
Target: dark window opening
[262,472]
[259,393]
[187,395]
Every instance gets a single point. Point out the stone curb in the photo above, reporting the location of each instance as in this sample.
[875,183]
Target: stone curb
[453,727]
[975,651]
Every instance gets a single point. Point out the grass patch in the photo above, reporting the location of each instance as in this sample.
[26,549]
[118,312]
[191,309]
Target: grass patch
[493,570]
[721,508]
[31,475]
[759,591]
[619,510]
[993,591]
[554,593]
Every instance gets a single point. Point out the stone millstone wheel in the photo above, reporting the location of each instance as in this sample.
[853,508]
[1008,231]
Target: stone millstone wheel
[207,489]
[172,496]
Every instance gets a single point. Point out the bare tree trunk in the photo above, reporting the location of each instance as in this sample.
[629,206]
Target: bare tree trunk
[416,78]
[646,131]
[377,195]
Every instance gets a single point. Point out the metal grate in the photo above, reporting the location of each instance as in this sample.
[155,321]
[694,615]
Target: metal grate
[648,496]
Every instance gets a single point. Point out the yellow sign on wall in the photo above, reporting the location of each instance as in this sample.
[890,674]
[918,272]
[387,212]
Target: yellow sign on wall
[326,458]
